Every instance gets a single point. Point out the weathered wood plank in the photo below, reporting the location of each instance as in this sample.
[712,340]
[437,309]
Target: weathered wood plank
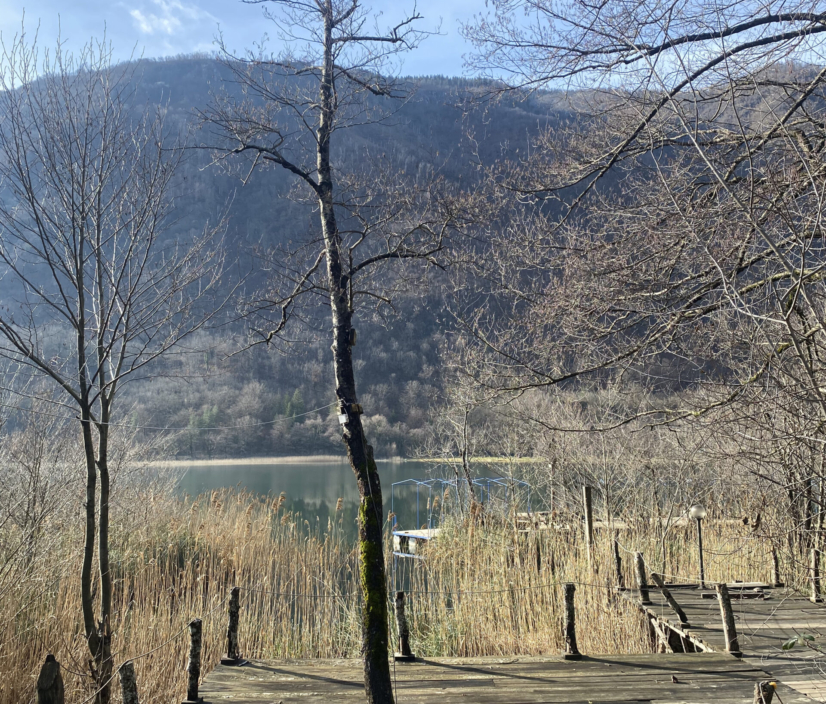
[532,679]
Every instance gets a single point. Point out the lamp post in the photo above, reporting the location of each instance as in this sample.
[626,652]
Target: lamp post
[698,513]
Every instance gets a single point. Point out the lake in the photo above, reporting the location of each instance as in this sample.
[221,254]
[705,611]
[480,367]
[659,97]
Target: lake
[313,485]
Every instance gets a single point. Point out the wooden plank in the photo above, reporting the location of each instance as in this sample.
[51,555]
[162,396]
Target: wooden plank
[529,679]
[814,687]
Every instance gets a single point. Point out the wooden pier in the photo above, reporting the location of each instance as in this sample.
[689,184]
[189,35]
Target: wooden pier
[700,679]
[764,622]
[765,618]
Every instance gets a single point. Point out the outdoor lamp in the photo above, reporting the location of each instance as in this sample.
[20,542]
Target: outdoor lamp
[698,513]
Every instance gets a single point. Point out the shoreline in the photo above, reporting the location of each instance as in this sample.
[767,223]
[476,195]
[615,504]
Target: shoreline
[236,461]
[312,459]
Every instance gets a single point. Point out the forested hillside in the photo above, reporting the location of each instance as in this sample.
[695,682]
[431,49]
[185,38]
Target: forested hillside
[262,389]
[436,129]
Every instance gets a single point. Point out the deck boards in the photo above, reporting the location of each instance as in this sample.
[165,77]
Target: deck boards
[763,625]
[702,678]
[712,678]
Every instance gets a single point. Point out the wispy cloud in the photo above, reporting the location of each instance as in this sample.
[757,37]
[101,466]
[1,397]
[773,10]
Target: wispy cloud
[167,17]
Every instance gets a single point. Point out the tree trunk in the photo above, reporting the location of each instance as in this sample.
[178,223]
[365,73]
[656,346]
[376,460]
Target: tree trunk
[97,635]
[374,625]
[374,622]
[104,655]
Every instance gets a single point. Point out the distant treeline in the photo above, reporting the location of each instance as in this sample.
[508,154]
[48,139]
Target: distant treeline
[271,397]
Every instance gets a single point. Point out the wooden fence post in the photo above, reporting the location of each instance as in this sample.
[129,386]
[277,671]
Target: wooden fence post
[404,631]
[193,668]
[50,682]
[571,650]
[763,692]
[672,602]
[642,583]
[618,563]
[727,613]
[128,683]
[589,523]
[776,582]
[514,607]
[814,575]
[233,657]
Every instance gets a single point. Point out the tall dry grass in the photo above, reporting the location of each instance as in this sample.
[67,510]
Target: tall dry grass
[483,589]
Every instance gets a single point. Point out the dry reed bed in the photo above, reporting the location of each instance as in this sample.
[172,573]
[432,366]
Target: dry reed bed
[480,591]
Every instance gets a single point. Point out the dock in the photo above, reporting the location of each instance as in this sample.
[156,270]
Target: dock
[764,623]
[765,620]
[700,679]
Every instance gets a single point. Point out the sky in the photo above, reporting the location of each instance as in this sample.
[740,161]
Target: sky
[161,28]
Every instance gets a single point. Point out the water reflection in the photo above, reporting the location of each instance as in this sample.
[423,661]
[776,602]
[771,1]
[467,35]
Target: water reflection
[312,487]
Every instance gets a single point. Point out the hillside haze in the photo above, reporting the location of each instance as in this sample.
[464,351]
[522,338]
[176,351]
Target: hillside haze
[432,129]
[435,129]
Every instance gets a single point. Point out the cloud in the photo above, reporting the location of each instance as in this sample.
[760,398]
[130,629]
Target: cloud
[167,17]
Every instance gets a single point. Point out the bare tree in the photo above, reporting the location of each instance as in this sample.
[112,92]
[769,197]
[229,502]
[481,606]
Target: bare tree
[669,228]
[332,77]
[93,292]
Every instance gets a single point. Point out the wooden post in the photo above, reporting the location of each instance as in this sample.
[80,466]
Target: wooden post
[776,582]
[514,608]
[618,563]
[763,692]
[589,523]
[814,575]
[672,602]
[50,682]
[193,668]
[727,613]
[642,584]
[571,650]
[404,631]
[233,657]
[128,683]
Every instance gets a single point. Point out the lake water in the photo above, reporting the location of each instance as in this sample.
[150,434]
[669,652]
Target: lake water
[314,485]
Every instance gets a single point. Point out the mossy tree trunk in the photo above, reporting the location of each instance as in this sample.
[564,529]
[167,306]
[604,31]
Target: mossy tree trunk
[374,622]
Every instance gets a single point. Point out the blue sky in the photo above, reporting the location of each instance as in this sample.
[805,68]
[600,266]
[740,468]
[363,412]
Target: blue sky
[156,28]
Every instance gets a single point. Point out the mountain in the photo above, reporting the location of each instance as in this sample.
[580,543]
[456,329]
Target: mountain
[436,129]
[427,132]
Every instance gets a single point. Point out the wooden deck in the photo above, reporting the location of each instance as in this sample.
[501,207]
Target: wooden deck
[545,520]
[701,679]
[712,677]
[763,625]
